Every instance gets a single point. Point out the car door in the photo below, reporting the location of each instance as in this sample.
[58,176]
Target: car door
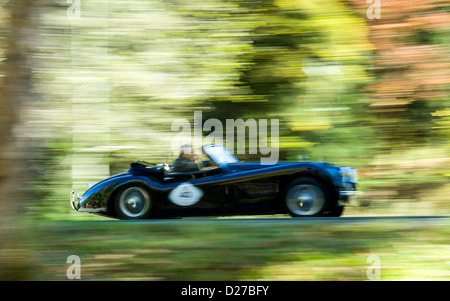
[190,194]
[249,193]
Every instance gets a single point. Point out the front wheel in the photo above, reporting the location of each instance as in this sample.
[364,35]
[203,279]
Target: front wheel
[307,197]
[133,203]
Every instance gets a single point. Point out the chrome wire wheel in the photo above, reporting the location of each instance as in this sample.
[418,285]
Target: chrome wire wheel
[305,200]
[133,203]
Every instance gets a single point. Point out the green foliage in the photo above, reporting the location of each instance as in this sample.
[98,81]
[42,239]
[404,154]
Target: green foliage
[109,84]
[112,82]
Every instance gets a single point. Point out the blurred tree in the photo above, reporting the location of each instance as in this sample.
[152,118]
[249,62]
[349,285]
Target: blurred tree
[412,70]
[306,69]
[17,27]
[410,98]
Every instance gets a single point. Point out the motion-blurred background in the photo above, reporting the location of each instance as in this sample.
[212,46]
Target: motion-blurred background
[89,86]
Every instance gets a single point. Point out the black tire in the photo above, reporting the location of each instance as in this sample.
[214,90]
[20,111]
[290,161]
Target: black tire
[307,197]
[133,202]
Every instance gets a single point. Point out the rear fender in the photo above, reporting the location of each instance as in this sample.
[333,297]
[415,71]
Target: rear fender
[330,180]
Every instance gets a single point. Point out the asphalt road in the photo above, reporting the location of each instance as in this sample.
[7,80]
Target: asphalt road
[441,220]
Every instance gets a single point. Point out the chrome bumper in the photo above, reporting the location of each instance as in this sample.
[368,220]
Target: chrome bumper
[349,180]
[349,193]
[74,200]
[349,197]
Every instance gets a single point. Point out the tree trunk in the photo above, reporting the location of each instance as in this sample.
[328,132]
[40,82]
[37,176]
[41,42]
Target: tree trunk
[15,92]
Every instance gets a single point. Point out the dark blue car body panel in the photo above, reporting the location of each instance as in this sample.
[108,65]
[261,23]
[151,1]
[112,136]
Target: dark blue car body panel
[244,188]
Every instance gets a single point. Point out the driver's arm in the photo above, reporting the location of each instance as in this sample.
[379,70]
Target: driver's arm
[183,165]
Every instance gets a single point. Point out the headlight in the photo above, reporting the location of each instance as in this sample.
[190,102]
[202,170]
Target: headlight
[349,175]
[74,200]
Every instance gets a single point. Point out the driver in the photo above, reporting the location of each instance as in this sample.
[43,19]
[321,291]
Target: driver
[187,161]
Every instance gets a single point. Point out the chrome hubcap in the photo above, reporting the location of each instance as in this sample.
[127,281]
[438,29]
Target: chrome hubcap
[134,202]
[305,199]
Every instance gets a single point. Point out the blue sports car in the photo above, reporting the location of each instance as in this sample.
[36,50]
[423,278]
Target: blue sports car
[226,187]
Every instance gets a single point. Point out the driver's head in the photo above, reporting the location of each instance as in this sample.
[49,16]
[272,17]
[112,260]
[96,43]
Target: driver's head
[187,152]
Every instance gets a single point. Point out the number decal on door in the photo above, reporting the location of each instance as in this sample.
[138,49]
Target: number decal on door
[185,194]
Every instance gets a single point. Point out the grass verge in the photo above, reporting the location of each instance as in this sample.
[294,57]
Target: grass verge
[232,249]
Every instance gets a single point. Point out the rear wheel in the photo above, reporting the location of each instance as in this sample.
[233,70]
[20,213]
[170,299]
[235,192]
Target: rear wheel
[133,203]
[307,197]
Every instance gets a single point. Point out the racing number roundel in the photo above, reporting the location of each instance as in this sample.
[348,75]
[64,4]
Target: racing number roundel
[185,194]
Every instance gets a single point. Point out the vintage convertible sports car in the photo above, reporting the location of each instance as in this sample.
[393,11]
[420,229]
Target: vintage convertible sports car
[226,187]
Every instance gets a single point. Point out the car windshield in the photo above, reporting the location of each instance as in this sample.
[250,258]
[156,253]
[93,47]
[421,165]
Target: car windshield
[219,154]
